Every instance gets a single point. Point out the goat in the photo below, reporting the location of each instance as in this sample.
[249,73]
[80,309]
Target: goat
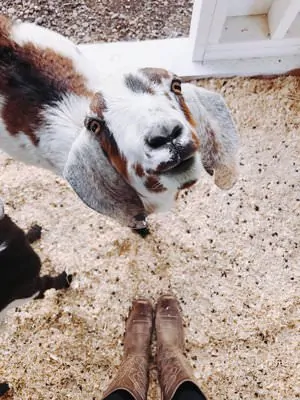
[126,144]
[20,266]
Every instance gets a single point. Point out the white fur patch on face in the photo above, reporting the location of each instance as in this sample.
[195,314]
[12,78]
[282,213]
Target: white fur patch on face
[132,117]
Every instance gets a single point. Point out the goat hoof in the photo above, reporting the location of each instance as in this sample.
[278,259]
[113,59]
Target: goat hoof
[39,296]
[66,279]
[143,232]
[4,388]
[69,279]
[34,233]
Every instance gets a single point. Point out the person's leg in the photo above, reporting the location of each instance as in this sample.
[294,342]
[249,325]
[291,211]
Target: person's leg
[131,382]
[176,377]
[187,391]
[4,388]
[119,395]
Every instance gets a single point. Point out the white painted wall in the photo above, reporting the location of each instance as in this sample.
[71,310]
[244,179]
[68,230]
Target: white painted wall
[248,7]
[227,37]
[250,28]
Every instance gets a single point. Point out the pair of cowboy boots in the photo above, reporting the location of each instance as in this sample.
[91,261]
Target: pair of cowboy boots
[173,370]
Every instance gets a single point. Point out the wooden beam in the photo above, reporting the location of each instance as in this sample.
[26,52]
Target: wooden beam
[175,55]
[239,8]
[202,17]
[281,16]
[218,21]
[253,48]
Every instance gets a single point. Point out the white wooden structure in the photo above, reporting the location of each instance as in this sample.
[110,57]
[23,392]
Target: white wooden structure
[227,37]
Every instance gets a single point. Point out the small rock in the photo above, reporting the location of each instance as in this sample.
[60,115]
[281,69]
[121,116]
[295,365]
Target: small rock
[39,20]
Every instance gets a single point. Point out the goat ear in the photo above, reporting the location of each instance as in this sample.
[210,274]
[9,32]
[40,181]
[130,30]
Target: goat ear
[217,134]
[2,212]
[100,186]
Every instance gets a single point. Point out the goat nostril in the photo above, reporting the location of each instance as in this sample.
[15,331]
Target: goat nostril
[157,141]
[177,131]
[168,136]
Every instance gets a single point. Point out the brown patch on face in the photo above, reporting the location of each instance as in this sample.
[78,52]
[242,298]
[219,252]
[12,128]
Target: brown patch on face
[139,170]
[186,111]
[112,152]
[153,185]
[97,104]
[190,119]
[156,75]
[106,139]
[196,140]
[30,79]
[188,184]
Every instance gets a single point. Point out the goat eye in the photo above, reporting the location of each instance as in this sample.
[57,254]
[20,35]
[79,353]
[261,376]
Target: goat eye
[176,86]
[94,125]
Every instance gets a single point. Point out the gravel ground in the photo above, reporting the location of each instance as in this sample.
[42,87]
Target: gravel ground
[87,21]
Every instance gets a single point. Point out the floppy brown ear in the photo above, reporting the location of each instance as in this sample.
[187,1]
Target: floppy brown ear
[99,185]
[217,134]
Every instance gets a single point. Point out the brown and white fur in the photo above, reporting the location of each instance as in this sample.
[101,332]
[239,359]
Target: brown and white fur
[127,144]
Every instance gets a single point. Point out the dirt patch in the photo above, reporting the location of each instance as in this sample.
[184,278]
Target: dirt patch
[87,21]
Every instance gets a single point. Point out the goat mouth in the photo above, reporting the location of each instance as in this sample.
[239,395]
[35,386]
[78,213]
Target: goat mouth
[183,167]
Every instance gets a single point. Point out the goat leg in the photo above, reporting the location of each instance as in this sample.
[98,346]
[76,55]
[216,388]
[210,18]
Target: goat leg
[46,282]
[34,233]
[35,289]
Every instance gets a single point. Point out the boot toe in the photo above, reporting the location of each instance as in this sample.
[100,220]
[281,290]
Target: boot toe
[168,304]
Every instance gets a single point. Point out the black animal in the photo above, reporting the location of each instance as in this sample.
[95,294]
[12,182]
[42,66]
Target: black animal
[20,266]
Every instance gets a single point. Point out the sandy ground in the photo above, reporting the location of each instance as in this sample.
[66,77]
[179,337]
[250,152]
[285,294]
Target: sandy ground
[232,258]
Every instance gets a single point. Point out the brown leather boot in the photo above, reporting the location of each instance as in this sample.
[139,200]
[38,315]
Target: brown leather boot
[173,369]
[133,375]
